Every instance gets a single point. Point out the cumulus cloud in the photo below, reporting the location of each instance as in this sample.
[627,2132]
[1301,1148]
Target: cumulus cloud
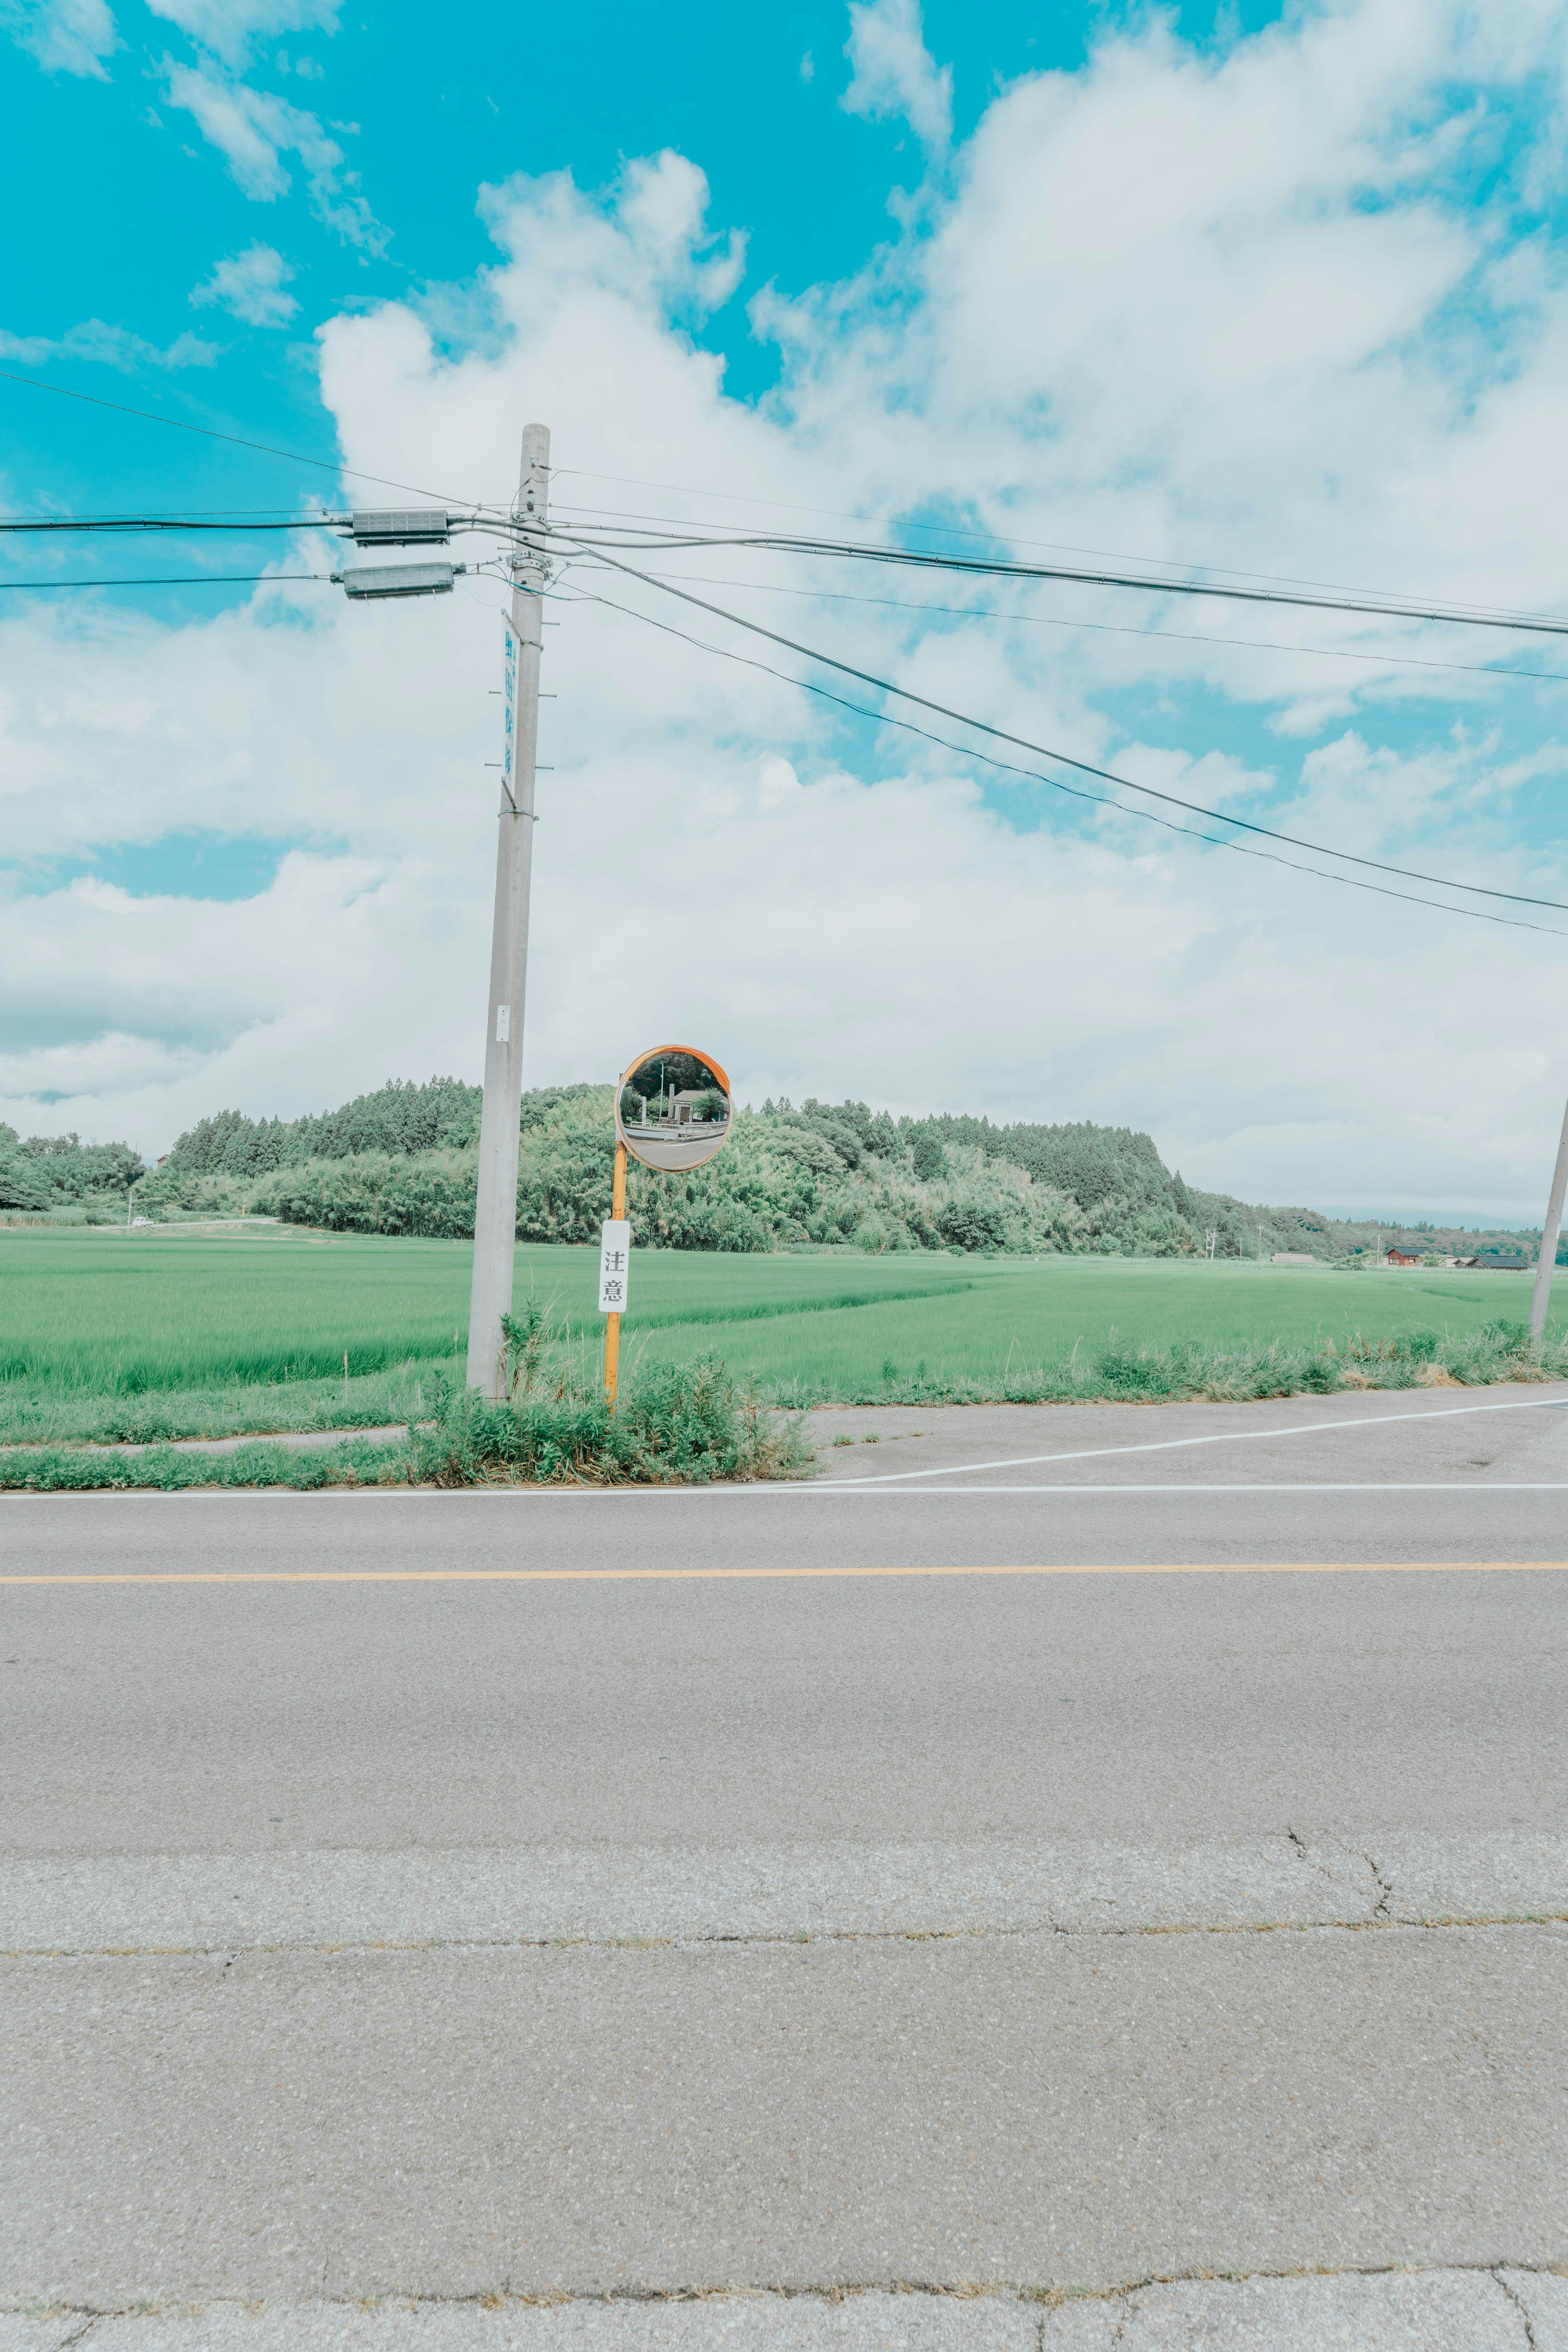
[648,244]
[253,130]
[230,27]
[70,36]
[97,342]
[1274,311]
[251,286]
[894,73]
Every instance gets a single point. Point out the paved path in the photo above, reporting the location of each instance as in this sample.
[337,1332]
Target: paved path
[412,1911]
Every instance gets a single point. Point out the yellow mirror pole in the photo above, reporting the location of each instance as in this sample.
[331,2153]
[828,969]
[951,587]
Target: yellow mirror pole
[613,1322]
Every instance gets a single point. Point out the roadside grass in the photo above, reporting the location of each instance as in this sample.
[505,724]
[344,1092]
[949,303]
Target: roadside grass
[684,1423]
[62,1470]
[1080,1328]
[39,1414]
[155,1336]
[1122,1375]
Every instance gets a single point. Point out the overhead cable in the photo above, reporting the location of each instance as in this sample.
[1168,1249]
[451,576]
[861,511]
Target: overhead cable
[182,524]
[151,416]
[172,580]
[988,567]
[935,529]
[1084,767]
[1116,629]
[51,526]
[1074,792]
[47,526]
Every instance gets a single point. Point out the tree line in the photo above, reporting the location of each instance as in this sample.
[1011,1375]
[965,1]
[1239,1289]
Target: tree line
[403,1159]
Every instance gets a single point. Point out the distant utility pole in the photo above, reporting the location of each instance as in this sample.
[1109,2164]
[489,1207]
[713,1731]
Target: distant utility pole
[1540,1296]
[495,1213]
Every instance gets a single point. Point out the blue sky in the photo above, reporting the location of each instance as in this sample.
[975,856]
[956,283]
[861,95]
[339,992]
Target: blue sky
[1280,293]
[148,208]
[134,222]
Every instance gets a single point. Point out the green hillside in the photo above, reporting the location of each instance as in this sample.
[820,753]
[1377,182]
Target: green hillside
[815,1175]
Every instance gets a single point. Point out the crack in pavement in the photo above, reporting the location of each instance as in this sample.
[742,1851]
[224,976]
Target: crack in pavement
[1049,2298]
[767,1892]
[1520,2306]
[1449,1923]
[1115,2294]
[1380,1909]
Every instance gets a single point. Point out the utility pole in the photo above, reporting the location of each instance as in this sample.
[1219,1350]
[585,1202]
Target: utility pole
[1540,1296]
[495,1213]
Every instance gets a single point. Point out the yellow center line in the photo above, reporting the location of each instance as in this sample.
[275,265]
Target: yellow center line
[668,1575]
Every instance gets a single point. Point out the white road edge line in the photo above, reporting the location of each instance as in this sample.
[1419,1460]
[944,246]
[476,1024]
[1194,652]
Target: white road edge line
[1220,1438]
[1239,1486]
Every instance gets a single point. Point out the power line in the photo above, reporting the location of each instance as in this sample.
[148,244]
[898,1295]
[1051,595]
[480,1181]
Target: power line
[1116,629]
[1074,792]
[184,526]
[1379,600]
[1489,616]
[1085,767]
[151,416]
[189,526]
[236,515]
[170,580]
[625,514]
[936,531]
[985,567]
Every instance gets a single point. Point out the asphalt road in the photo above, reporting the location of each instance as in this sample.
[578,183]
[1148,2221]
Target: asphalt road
[595,1896]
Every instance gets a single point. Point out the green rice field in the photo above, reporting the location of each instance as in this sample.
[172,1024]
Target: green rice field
[109,1314]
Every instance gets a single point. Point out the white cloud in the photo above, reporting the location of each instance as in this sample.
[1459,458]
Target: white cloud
[895,75]
[70,36]
[1240,310]
[109,346]
[253,130]
[651,246]
[229,27]
[250,285]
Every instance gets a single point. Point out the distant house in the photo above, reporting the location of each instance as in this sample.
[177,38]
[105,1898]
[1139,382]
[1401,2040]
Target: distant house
[1401,1258]
[1294,1258]
[683,1106]
[1504,1262]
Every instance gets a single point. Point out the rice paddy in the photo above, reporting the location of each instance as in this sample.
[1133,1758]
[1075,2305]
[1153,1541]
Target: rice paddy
[101,1314]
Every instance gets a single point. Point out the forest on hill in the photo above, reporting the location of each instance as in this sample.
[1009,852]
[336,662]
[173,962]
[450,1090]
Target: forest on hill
[818,1175]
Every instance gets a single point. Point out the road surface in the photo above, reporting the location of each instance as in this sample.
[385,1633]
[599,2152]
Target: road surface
[1057,1850]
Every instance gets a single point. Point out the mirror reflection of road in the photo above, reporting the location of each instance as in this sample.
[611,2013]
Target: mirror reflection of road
[1138,1864]
[672,1111]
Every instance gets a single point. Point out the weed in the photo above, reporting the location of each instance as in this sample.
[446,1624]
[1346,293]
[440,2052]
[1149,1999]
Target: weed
[685,1423]
[527,1338]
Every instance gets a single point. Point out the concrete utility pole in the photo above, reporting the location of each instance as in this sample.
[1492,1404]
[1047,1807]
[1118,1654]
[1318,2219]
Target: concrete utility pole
[495,1214]
[1540,1296]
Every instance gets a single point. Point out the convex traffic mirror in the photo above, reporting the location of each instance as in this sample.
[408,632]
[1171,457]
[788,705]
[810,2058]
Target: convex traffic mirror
[672,1109]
